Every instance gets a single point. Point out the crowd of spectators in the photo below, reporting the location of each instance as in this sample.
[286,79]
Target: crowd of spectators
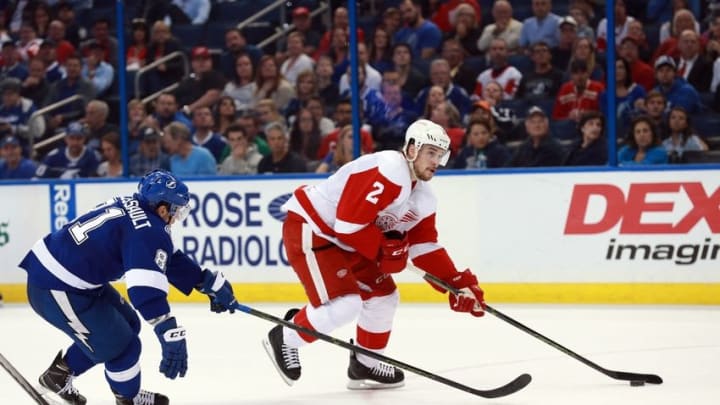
[515,85]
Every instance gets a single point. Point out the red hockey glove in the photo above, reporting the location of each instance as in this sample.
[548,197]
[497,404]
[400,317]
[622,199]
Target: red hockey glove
[471,297]
[393,254]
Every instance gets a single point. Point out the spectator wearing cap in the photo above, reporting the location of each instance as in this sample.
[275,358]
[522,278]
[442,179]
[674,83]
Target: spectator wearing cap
[72,84]
[73,160]
[186,159]
[302,23]
[96,70]
[35,87]
[641,72]
[63,47]
[54,71]
[539,148]
[579,95]
[204,122]
[194,12]
[204,86]
[622,21]
[423,36]
[562,53]
[505,27]
[149,155]
[482,148]
[542,26]
[544,81]
[676,90]
[10,63]
[590,148]
[500,71]
[12,163]
[692,65]
[236,45]
[162,43]
[15,111]
[643,144]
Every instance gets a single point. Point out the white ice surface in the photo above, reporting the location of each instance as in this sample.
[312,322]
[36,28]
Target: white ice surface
[229,366]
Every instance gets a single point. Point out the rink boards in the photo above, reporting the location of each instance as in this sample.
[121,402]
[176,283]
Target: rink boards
[621,236]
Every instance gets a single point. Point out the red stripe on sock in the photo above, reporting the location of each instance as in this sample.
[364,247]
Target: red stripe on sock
[371,340]
[301,319]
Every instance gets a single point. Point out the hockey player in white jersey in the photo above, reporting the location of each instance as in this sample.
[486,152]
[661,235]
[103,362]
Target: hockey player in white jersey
[346,236]
[69,272]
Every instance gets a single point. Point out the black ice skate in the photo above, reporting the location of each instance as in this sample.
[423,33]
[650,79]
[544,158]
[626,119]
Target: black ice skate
[284,357]
[382,376]
[58,380]
[143,398]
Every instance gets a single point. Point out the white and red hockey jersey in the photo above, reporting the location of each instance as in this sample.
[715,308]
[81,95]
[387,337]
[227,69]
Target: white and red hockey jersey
[508,78]
[371,195]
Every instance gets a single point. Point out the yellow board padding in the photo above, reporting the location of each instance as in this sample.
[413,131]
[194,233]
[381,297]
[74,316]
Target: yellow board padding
[557,293]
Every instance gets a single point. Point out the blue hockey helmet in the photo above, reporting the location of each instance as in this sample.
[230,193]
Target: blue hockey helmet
[162,187]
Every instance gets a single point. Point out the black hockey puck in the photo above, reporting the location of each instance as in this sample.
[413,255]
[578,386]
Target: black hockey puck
[637,383]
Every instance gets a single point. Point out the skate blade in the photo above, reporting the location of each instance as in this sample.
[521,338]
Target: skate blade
[372,385]
[271,354]
[49,396]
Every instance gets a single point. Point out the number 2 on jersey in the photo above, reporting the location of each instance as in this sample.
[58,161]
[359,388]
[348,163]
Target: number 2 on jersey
[378,188]
[79,231]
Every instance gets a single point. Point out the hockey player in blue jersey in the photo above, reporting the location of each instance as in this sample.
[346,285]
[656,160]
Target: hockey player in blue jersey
[68,285]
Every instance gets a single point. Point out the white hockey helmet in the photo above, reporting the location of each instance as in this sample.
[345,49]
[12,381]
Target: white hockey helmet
[425,132]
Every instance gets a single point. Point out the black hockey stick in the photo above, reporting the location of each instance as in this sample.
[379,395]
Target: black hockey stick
[618,375]
[5,363]
[515,385]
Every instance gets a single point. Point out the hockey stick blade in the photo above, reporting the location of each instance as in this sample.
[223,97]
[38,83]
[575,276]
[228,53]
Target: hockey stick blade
[515,385]
[15,374]
[618,375]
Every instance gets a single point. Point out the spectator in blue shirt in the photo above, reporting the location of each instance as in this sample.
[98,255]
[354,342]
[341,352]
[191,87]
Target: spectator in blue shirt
[186,159]
[642,145]
[13,165]
[204,136]
[423,36]
[72,160]
[11,65]
[542,26]
[15,111]
[676,90]
[96,70]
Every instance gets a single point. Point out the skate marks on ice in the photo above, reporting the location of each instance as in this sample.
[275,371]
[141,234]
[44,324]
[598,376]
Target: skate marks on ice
[228,365]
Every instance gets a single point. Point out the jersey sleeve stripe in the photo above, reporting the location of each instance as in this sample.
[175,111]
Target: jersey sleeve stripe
[58,270]
[347,227]
[423,249]
[146,278]
[124,375]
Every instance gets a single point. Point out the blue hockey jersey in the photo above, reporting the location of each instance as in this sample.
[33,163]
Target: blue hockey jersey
[119,238]
[58,164]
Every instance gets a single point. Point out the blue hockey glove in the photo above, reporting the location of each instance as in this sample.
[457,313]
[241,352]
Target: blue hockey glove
[174,348]
[219,290]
